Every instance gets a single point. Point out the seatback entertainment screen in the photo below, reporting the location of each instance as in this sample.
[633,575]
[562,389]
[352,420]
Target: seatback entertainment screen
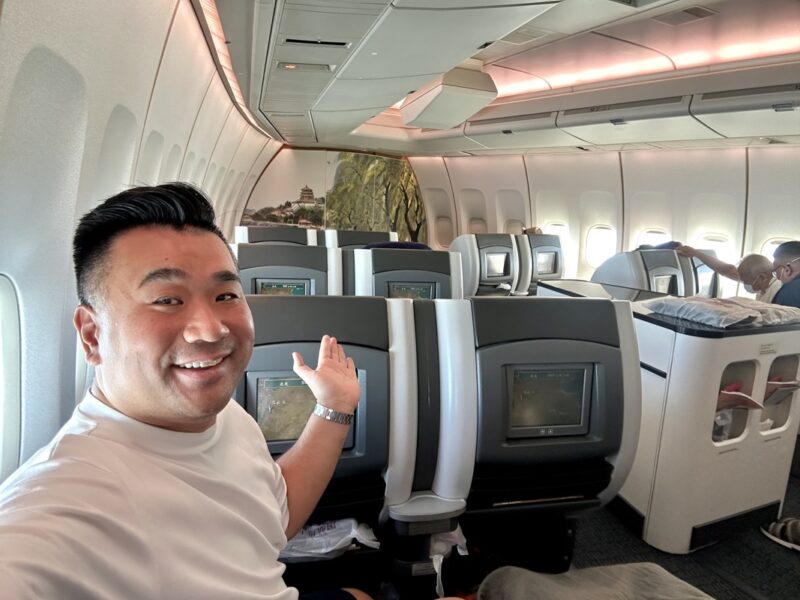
[415,291]
[548,400]
[281,287]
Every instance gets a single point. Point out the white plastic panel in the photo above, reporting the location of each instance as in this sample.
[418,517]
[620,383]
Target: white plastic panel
[41,149]
[437,196]
[646,122]
[224,150]
[427,54]
[535,131]
[458,425]
[267,153]
[632,410]
[116,156]
[213,113]
[686,193]
[489,190]
[579,191]
[10,378]
[773,209]
[150,159]
[760,112]
[183,77]
[246,154]
[403,399]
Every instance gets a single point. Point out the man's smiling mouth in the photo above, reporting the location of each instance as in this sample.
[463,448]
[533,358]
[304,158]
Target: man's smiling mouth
[201,364]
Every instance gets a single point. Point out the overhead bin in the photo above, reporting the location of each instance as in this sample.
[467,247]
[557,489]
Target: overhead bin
[657,120]
[764,111]
[524,131]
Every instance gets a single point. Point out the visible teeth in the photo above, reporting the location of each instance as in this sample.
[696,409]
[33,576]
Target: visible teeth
[201,364]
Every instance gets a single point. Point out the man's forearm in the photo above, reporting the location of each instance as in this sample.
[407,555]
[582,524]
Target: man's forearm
[308,466]
[726,269]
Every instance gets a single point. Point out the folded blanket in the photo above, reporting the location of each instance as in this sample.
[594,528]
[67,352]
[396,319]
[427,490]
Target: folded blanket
[771,314]
[727,312]
[636,581]
[709,311]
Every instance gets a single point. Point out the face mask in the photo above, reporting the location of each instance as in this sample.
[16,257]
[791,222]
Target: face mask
[749,288]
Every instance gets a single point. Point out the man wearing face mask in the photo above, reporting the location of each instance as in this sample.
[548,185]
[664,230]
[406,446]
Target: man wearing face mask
[786,261]
[754,271]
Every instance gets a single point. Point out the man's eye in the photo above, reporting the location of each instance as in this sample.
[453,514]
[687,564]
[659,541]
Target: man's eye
[167,301]
[227,296]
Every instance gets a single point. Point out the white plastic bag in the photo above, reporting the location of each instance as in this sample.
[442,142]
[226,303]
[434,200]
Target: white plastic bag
[327,540]
[440,548]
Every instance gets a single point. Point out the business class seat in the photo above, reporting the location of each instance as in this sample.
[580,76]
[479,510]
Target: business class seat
[290,270]
[279,235]
[539,418]
[490,264]
[402,270]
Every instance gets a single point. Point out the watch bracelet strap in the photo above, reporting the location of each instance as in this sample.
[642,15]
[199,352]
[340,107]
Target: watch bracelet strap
[330,414]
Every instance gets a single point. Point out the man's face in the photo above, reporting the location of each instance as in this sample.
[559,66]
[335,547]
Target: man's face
[171,333]
[759,283]
[786,269]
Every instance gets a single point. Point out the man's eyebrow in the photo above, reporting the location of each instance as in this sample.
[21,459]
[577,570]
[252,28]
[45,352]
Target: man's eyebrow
[165,274]
[223,276]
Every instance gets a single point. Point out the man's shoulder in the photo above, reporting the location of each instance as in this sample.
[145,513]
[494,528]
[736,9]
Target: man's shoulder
[789,293]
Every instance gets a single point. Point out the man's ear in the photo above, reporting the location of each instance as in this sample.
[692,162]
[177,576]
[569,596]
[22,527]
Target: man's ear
[88,327]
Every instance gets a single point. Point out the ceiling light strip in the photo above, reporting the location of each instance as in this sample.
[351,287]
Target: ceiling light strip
[211,24]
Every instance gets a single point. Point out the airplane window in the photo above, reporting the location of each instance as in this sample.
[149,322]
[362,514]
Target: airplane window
[601,243]
[768,247]
[559,229]
[652,237]
[10,378]
[720,244]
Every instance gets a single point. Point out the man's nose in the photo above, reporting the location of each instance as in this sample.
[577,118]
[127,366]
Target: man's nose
[204,324]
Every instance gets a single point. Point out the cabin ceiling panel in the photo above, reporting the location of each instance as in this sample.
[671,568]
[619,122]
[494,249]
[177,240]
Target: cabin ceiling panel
[585,58]
[374,94]
[315,37]
[516,151]
[733,29]
[569,17]
[430,41]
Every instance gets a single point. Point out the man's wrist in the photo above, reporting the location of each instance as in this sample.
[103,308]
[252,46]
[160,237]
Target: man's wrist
[333,415]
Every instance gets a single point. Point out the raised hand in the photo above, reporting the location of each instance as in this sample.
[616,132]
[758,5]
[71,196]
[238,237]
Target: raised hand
[334,382]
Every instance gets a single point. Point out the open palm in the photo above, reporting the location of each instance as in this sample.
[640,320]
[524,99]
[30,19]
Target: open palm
[334,382]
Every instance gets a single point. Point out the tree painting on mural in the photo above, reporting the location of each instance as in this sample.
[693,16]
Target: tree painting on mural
[374,193]
[368,193]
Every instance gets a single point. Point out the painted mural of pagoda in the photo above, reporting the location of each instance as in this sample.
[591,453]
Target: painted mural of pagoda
[306,211]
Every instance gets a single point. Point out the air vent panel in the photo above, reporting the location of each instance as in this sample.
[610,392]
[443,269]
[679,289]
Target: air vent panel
[315,43]
[682,17]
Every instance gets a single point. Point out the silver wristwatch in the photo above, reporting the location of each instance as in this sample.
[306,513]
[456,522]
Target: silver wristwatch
[333,415]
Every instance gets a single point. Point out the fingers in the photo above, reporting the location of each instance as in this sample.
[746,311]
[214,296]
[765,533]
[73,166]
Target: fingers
[330,349]
[300,366]
[351,366]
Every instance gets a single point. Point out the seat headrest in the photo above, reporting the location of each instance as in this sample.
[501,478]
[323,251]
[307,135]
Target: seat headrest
[398,245]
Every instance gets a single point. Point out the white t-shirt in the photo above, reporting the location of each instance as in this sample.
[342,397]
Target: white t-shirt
[768,294]
[115,509]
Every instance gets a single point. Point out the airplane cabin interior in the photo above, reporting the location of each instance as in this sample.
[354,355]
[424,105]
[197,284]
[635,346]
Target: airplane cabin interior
[483,201]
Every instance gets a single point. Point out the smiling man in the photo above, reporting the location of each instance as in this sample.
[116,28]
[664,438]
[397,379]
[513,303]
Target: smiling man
[161,486]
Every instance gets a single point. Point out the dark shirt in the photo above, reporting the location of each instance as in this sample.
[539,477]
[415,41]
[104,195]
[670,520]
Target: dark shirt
[789,294]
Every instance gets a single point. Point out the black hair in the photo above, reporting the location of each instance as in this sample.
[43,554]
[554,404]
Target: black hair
[787,251]
[176,205]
